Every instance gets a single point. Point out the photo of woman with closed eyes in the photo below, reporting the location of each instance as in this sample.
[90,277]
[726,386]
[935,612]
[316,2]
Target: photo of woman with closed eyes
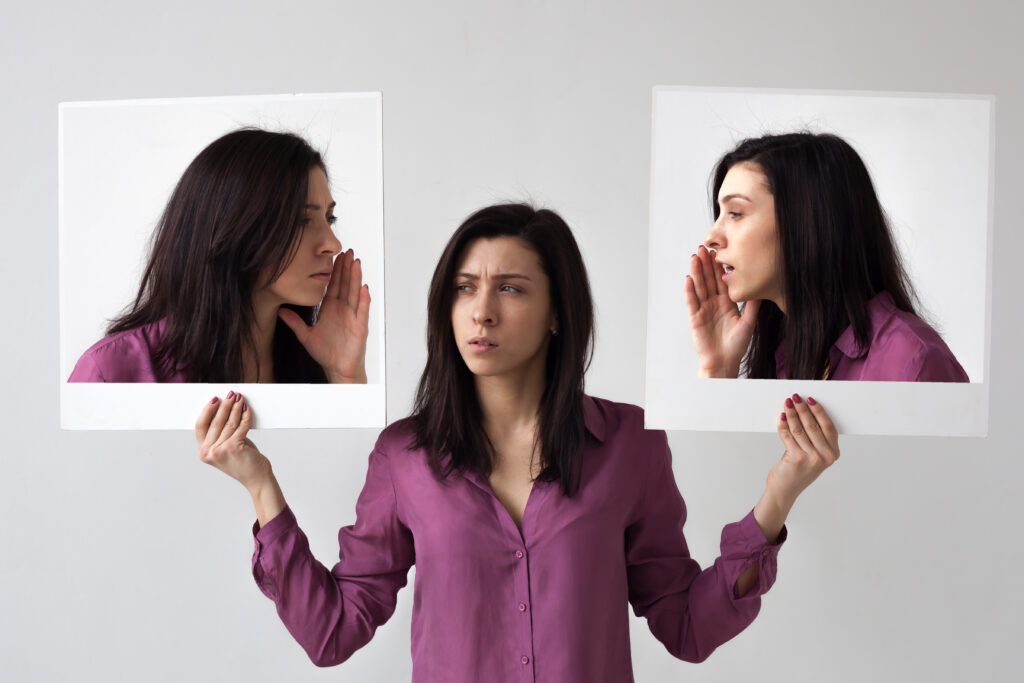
[801,240]
[535,514]
[242,283]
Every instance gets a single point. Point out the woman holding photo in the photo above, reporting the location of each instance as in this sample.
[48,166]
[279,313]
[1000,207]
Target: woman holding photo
[533,512]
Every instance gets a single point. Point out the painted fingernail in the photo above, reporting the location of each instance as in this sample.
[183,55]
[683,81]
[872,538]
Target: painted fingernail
[782,416]
[811,401]
[789,403]
[213,400]
[238,397]
[230,394]
[796,397]
[245,407]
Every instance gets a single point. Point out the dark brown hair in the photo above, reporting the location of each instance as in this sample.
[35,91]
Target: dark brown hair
[836,246]
[447,419]
[235,214]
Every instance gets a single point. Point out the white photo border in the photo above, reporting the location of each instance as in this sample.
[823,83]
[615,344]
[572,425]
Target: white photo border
[176,406]
[676,399]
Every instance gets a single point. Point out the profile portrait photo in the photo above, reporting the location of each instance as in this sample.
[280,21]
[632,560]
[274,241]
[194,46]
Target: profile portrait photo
[222,241]
[833,238]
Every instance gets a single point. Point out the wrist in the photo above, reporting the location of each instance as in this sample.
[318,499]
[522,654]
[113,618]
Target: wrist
[258,485]
[771,512]
[341,378]
[355,375]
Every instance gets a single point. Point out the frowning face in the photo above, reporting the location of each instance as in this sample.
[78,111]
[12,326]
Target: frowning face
[745,237]
[501,312]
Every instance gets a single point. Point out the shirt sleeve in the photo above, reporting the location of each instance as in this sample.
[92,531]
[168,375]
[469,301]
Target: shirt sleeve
[332,613]
[935,363]
[86,370]
[691,611]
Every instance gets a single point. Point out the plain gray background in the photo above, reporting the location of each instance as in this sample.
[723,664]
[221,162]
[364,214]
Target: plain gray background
[122,558]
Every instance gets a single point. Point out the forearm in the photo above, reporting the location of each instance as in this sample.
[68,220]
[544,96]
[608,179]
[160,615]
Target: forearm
[267,498]
[770,513]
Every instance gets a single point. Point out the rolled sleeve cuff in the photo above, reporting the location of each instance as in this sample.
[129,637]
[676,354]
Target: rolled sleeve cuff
[743,543]
[265,537]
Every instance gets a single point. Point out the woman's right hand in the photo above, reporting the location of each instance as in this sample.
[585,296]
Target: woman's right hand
[721,334]
[222,432]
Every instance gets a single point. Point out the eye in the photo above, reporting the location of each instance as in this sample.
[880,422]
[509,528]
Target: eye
[463,288]
[510,288]
[735,215]
[331,220]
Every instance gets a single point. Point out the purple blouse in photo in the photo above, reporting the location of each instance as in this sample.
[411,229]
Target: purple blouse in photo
[124,357]
[496,604]
[903,348]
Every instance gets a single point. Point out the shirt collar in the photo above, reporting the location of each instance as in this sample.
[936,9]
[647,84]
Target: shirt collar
[593,418]
[879,307]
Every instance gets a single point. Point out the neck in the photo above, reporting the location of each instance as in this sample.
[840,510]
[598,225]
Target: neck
[510,403]
[258,363]
[780,301]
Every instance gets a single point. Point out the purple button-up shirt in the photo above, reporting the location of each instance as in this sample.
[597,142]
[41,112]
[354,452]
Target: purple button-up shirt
[495,604]
[903,348]
[124,357]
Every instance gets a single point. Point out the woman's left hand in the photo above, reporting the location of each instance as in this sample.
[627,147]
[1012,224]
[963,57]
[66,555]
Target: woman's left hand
[338,339]
[812,445]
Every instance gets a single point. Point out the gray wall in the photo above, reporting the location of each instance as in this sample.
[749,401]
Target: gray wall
[123,558]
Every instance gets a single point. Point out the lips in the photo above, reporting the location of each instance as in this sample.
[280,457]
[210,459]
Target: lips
[323,276]
[483,343]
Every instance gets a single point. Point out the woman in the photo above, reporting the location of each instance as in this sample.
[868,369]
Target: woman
[533,513]
[241,283]
[800,236]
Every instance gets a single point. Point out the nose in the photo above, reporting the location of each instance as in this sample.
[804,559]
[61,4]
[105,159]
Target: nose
[715,239]
[329,242]
[483,311]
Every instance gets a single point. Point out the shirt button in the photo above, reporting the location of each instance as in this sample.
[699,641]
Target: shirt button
[522,608]
[525,660]
[519,556]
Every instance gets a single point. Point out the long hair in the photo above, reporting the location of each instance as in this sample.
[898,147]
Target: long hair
[447,419]
[234,216]
[836,245]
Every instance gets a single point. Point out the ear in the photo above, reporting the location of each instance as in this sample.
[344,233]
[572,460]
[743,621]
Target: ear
[553,325]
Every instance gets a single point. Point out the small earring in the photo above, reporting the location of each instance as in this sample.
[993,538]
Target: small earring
[554,332]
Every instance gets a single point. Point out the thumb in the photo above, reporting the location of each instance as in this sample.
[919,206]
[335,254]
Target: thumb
[294,321]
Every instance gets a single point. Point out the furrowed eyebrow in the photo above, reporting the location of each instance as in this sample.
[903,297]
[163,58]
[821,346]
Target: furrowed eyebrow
[499,276]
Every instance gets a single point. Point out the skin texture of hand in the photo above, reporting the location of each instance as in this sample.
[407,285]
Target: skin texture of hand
[812,446]
[338,339]
[720,333]
[222,433]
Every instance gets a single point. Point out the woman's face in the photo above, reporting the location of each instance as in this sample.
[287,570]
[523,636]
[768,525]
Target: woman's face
[501,312]
[745,236]
[304,279]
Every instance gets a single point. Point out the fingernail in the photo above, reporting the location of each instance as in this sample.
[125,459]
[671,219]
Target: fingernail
[796,397]
[245,407]
[811,401]
[213,400]
[782,416]
[238,397]
[789,403]
[230,394]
